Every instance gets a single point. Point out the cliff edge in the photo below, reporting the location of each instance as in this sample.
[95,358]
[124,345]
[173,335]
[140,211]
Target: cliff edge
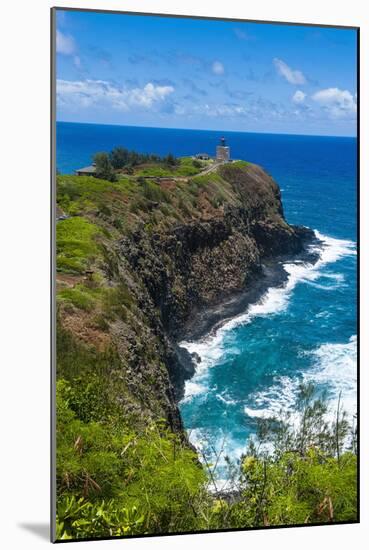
[140,258]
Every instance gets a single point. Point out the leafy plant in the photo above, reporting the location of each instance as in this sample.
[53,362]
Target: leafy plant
[78,519]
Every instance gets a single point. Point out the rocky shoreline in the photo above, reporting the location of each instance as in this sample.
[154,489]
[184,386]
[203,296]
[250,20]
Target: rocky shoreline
[168,261]
[206,321]
[272,274]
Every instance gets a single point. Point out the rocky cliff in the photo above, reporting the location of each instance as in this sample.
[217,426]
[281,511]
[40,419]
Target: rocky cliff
[155,254]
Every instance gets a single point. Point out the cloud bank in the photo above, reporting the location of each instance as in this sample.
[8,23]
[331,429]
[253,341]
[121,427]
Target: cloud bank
[85,93]
[338,103]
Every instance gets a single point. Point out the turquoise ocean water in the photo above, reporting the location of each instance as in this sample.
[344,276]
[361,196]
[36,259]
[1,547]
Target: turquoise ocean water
[252,365]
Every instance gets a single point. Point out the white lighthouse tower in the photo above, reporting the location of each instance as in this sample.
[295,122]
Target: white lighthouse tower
[223,151]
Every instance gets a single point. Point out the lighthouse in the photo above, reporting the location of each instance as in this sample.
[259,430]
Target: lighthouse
[223,151]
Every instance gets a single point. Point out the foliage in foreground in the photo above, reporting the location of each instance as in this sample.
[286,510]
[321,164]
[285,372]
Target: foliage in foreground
[116,481]
[115,474]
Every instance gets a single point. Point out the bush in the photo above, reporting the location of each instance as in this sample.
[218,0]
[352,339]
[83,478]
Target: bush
[150,469]
[79,519]
[104,169]
[308,477]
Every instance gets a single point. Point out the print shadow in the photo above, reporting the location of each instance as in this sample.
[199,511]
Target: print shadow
[42,530]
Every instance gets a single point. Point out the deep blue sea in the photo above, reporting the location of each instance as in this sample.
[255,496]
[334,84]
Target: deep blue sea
[251,366]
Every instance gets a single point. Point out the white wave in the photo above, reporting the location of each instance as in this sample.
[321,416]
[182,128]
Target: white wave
[224,398]
[323,287]
[335,365]
[275,300]
[193,388]
[213,447]
[334,249]
[339,277]
[280,397]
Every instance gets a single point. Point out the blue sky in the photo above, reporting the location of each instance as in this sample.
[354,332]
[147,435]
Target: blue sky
[193,73]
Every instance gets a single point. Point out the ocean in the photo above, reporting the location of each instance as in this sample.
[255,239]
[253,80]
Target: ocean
[251,367]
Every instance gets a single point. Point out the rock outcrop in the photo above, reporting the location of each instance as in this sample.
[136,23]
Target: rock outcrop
[177,269]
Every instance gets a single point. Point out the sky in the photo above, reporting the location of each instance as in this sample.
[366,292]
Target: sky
[203,74]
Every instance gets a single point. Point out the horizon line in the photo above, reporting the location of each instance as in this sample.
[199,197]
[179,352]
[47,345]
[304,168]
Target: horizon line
[206,130]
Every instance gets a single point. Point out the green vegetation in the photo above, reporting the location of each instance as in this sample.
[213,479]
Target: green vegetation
[104,169]
[116,480]
[120,158]
[112,302]
[309,476]
[123,466]
[77,244]
[110,166]
[118,207]
[184,167]
[118,470]
[240,163]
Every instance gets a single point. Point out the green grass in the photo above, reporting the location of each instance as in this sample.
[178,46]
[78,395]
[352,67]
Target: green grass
[240,163]
[82,194]
[111,302]
[153,192]
[77,245]
[155,170]
[187,167]
[118,207]
[77,297]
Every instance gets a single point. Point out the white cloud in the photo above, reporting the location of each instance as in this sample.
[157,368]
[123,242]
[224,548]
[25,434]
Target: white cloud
[84,93]
[292,76]
[217,68]
[298,97]
[338,103]
[65,44]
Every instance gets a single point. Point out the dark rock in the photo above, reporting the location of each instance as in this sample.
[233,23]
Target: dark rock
[179,275]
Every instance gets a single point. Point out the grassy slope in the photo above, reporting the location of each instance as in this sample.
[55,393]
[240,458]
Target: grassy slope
[109,445]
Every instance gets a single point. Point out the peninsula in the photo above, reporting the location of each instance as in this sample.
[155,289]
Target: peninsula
[145,254]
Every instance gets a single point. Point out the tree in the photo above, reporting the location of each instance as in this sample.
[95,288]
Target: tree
[300,471]
[119,157]
[170,160]
[104,169]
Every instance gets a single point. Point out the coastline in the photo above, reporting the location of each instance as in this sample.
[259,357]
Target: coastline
[272,274]
[278,275]
[332,360]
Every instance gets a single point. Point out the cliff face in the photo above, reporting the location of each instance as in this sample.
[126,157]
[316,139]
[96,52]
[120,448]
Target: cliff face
[180,247]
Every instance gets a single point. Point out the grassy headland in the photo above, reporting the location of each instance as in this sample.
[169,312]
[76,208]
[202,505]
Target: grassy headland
[136,257]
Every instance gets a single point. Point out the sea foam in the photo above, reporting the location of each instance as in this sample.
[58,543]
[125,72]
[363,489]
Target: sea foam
[275,300]
[333,364]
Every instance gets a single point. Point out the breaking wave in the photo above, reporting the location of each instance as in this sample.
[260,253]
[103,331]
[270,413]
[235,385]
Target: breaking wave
[330,365]
[276,299]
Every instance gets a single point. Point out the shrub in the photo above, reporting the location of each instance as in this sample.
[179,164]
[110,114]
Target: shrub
[79,519]
[149,469]
[104,169]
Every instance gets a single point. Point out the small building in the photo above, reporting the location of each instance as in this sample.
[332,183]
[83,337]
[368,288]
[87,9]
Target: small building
[202,156]
[87,170]
[223,151]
